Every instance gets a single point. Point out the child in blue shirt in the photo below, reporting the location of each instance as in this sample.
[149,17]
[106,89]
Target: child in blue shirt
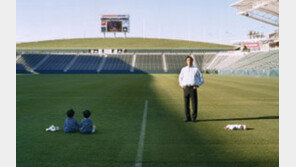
[71,124]
[86,125]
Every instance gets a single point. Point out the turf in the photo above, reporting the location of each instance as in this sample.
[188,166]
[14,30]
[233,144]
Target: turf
[117,104]
[125,43]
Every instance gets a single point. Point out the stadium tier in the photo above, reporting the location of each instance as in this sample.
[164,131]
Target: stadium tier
[54,63]
[199,59]
[29,61]
[149,63]
[117,64]
[258,60]
[20,68]
[85,64]
[175,62]
[144,63]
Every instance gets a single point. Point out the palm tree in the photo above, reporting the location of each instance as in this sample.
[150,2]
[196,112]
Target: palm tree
[258,35]
[250,34]
[262,35]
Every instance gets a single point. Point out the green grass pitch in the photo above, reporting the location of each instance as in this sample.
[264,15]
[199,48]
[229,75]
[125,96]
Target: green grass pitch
[117,104]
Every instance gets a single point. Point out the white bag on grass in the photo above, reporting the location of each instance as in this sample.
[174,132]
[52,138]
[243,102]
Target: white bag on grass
[236,127]
[52,128]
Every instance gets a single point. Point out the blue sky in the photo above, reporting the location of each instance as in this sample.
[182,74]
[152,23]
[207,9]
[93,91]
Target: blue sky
[196,20]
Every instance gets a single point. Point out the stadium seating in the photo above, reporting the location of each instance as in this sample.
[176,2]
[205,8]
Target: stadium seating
[55,64]
[147,63]
[29,61]
[175,63]
[20,68]
[117,64]
[208,60]
[259,60]
[199,59]
[85,64]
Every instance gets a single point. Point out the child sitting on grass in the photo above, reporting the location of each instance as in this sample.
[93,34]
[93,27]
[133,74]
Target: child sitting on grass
[71,124]
[86,125]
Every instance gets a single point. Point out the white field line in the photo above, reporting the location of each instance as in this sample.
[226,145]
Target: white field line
[142,138]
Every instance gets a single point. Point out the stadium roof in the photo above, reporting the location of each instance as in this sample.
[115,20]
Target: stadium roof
[266,11]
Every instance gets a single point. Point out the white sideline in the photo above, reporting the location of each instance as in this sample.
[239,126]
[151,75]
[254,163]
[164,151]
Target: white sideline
[142,138]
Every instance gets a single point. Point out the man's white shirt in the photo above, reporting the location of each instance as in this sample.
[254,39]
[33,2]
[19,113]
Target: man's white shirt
[190,76]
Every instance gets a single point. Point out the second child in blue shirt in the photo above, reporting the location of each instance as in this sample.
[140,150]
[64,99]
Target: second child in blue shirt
[71,124]
[86,125]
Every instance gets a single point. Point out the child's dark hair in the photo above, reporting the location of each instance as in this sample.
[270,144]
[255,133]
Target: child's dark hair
[70,113]
[86,113]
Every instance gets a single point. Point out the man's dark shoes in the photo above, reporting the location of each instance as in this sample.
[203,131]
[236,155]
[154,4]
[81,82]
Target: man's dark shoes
[194,120]
[187,120]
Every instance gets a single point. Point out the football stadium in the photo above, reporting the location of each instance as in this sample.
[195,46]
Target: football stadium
[131,87]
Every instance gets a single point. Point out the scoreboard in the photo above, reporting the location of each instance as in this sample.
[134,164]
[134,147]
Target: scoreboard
[115,23]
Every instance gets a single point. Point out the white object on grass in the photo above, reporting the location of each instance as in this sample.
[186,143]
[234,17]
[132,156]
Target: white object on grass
[52,128]
[236,127]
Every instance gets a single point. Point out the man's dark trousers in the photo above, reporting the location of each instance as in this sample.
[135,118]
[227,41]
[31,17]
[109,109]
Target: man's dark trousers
[190,93]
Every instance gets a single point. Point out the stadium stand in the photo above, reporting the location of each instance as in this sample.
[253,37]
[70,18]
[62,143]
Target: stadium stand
[117,64]
[30,60]
[199,59]
[55,64]
[259,60]
[175,62]
[21,69]
[208,60]
[149,63]
[85,64]
[225,62]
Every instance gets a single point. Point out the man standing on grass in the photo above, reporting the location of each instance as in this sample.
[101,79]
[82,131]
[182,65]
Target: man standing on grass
[190,79]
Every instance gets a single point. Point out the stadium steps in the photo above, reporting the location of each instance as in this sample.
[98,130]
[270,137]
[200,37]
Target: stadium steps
[199,61]
[208,59]
[119,63]
[100,67]
[41,62]
[133,63]
[26,62]
[55,63]
[18,57]
[259,60]
[165,68]
[175,62]
[86,64]
[71,63]
[228,61]
[142,63]
[149,63]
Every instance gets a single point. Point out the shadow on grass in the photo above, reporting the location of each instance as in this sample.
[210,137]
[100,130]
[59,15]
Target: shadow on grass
[171,142]
[238,119]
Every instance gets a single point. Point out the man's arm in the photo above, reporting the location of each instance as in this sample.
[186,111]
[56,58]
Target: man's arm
[200,78]
[200,81]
